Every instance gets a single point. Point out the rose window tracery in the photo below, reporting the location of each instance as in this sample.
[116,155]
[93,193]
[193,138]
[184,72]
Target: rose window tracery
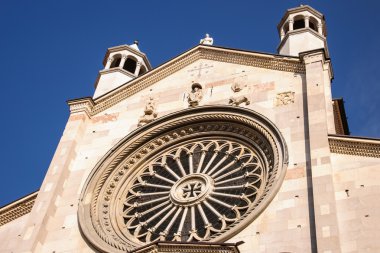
[193,191]
[201,174]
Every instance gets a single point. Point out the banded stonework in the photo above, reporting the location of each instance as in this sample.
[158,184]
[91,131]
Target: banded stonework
[258,153]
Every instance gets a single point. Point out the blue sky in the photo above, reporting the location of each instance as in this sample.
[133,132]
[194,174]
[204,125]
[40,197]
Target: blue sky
[51,51]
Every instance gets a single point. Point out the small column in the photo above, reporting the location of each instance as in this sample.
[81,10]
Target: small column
[291,21]
[122,61]
[109,62]
[320,28]
[138,66]
[282,34]
[307,18]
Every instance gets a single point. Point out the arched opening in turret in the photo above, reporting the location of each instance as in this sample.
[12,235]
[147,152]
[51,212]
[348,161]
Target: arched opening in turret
[313,24]
[142,70]
[299,22]
[116,61]
[130,65]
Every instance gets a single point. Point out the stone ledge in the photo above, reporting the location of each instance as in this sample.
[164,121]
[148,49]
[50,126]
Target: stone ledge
[357,146]
[17,208]
[189,247]
[85,105]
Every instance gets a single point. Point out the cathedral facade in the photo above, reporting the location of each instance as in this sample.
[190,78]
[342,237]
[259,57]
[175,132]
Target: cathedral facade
[216,150]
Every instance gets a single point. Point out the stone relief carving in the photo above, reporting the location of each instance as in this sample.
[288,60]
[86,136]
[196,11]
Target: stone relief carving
[149,113]
[196,95]
[281,64]
[238,97]
[284,98]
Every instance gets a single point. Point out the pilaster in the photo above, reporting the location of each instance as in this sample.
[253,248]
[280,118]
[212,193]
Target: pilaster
[323,217]
[46,204]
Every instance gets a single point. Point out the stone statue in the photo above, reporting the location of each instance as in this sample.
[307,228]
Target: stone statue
[239,98]
[196,95]
[207,40]
[149,113]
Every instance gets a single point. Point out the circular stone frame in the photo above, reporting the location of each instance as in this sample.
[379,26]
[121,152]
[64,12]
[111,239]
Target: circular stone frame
[98,212]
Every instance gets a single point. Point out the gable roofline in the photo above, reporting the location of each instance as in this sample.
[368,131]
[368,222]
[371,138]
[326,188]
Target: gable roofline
[244,57]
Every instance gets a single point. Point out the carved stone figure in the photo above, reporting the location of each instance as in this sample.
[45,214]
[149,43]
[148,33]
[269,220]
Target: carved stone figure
[284,98]
[149,113]
[196,95]
[236,101]
[239,98]
[207,40]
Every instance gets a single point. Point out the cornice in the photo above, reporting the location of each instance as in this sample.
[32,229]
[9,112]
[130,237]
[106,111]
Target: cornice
[311,56]
[113,70]
[17,209]
[189,247]
[298,31]
[274,62]
[356,146]
[85,105]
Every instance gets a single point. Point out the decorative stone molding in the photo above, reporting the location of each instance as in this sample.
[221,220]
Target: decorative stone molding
[116,202]
[173,247]
[284,98]
[266,61]
[356,146]
[17,209]
[81,105]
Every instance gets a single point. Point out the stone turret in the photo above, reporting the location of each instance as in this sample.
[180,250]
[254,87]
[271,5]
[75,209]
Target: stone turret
[121,64]
[302,29]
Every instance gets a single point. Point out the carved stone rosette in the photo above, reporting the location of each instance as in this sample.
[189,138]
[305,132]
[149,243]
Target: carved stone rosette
[201,174]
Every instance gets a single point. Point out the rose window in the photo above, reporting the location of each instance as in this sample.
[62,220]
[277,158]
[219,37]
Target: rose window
[201,174]
[193,191]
